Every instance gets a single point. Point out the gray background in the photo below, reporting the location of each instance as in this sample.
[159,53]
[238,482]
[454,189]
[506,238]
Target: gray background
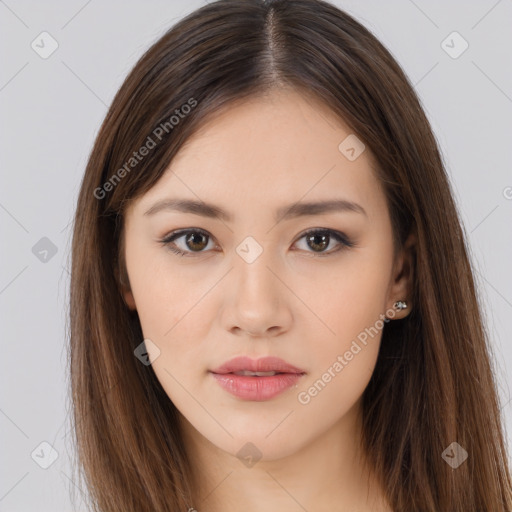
[51,110]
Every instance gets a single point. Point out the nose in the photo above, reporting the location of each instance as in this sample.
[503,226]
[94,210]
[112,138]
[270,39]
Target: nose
[256,302]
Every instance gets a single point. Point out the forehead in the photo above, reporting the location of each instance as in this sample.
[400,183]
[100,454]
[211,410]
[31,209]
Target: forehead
[270,149]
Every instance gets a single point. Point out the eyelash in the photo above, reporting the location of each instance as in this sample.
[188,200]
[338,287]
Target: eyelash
[340,237]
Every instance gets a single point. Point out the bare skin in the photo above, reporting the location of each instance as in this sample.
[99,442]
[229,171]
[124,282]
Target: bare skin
[298,301]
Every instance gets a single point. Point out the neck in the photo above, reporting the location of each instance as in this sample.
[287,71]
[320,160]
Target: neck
[326,473]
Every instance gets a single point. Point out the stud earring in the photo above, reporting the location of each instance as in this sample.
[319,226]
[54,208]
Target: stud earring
[400,304]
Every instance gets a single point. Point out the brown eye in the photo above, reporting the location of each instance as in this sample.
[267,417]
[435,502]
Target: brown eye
[196,241]
[187,242]
[318,241]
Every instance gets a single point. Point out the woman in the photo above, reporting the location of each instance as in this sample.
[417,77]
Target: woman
[272,305]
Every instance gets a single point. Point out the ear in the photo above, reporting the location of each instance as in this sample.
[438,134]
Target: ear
[121,275]
[124,286]
[401,288]
[128,298]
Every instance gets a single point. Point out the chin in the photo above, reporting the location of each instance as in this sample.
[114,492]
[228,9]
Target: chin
[252,437]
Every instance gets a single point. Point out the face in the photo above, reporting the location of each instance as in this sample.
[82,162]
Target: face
[245,275]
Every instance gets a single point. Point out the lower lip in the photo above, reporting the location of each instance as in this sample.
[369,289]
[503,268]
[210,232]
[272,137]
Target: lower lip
[256,388]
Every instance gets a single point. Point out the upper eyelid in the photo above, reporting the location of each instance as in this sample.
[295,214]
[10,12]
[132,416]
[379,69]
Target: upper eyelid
[179,232]
[342,237]
[173,235]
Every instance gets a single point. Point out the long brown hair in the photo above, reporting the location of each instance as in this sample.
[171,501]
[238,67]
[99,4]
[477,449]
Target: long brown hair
[433,383]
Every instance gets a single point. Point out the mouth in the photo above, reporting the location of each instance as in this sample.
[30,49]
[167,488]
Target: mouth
[256,380]
[247,373]
[263,365]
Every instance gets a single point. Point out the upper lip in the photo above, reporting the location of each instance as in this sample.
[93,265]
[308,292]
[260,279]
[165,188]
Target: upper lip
[264,364]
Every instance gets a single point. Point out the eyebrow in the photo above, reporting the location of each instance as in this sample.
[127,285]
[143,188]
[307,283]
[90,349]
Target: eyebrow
[286,212]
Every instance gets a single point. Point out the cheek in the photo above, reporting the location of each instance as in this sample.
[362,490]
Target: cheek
[352,306]
[353,298]
[162,295]
[330,396]
[175,321]
[343,362]
[171,313]
[173,316]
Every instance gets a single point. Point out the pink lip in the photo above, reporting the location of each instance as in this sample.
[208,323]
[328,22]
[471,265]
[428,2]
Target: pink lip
[253,387]
[264,364]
